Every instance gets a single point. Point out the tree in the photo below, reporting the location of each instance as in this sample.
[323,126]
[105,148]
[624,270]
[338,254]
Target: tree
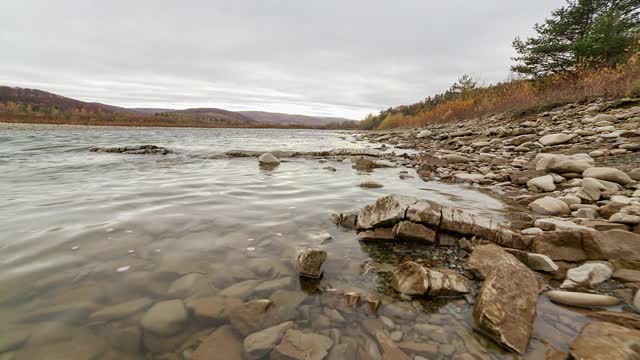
[465,83]
[584,32]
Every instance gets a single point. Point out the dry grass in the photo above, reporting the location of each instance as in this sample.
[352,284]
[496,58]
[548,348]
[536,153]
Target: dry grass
[526,95]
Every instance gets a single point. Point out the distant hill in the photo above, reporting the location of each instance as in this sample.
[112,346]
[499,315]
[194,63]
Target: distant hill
[278,118]
[37,106]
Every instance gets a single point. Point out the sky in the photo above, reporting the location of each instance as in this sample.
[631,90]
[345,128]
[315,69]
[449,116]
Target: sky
[345,58]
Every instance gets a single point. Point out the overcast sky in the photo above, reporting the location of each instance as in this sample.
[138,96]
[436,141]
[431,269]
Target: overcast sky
[330,57]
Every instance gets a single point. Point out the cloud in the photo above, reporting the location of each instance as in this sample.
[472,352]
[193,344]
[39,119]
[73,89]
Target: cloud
[333,57]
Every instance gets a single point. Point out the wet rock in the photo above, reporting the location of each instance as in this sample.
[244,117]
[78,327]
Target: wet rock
[257,315]
[212,309]
[587,275]
[556,139]
[222,344]
[385,212]
[407,230]
[540,262]
[612,245]
[410,278]
[370,185]
[268,159]
[190,285]
[542,183]
[601,340]
[309,262]
[447,283]
[121,311]
[141,149]
[12,339]
[608,174]
[165,318]
[346,220]
[581,299]
[376,234]
[241,290]
[259,344]
[506,304]
[297,345]
[550,206]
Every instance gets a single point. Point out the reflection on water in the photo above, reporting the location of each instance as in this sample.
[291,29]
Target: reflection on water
[91,241]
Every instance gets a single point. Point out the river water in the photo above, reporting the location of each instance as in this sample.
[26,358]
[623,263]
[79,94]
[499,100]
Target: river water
[83,231]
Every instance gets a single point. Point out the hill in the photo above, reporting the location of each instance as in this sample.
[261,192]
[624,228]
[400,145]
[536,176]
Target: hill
[289,119]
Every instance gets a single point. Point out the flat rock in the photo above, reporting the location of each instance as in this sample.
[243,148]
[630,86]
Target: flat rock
[259,344]
[296,345]
[542,183]
[608,174]
[556,139]
[540,262]
[410,278]
[560,164]
[505,307]
[587,275]
[613,244]
[602,340]
[165,318]
[257,315]
[121,311]
[222,344]
[407,230]
[485,258]
[212,308]
[581,299]
[385,212]
[627,275]
[193,284]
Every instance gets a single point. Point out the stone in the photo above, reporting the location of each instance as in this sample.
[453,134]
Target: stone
[257,315]
[121,311]
[370,185]
[193,284]
[410,278]
[376,234]
[447,283]
[626,319]
[550,206]
[423,134]
[241,290]
[165,318]
[425,212]
[626,219]
[556,139]
[407,230]
[213,309]
[627,275]
[565,245]
[259,344]
[586,213]
[485,258]
[542,183]
[581,299]
[505,307]
[222,344]
[309,262]
[268,159]
[468,176]
[602,340]
[385,212]
[608,174]
[531,231]
[587,275]
[540,262]
[636,301]
[455,159]
[12,339]
[560,164]
[612,245]
[296,345]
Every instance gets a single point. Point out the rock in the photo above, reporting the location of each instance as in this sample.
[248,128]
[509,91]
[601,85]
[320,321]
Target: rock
[601,340]
[447,283]
[565,245]
[485,258]
[257,315]
[608,174]
[13,339]
[309,262]
[121,311]
[268,159]
[410,278]
[407,230]
[627,275]
[540,262]
[141,149]
[259,344]
[222,344]
[627,219]
[212,308]
[297,345]
[370,185]
[532,231]
[636,301]
[586,213]
[346,220]
[385,212]
[423,134]
[626,319]
[587,275]
[190,285]
[550,206]
[241,290]
[542,183]
[165,318]
[505,307]
[556,139]
[612,245]
[560,164]
[376,234]
[581,299]
[455,159]
[468,177]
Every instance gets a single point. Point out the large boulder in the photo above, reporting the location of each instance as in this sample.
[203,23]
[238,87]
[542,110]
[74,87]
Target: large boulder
[385,212]
[608,174]
[165,318]
[602,340]
[506,304]
[550,206]
[485,258]
[309,262]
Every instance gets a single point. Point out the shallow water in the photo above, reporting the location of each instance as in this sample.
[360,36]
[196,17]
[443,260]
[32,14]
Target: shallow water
[82,231]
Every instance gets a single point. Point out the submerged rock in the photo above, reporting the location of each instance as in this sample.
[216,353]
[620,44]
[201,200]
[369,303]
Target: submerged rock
[222,344]
[268,159]
[259,344]
[165,318]
[506,304]
[296,345]
[122,310]
[602,340]
[141,149]
[385,212]
[309,262]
